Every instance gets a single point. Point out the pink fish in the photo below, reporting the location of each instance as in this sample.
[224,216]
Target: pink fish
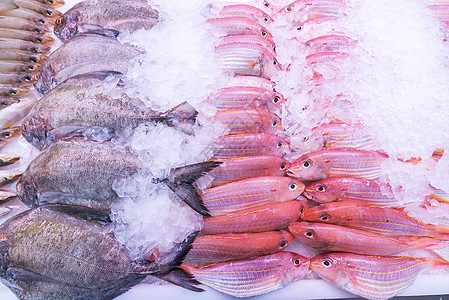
[345,188]
[252,39]
[248,193]
[247,59]
[239,26]
[325,57]
[246,97]
[337,163]
[248,278]
[328,237]
[301,10]
[250,144]
[372,277]
[249,121]
[246,11]
[330,43]
[238,168]
[211,249]
[258,219]
[314,27]
[441,11]
[253,81]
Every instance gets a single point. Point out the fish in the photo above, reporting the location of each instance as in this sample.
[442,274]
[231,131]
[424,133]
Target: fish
[239,26]
[372,277]
[82,172]
[262,218]
[14,45]
[330,43]
[4,210]
[7,91]
[15,112]
[8,134]
[370,217]
[6,159]
[346,188]
[246,97]
[18,67]
[28,36]
[16,79]
[82,258]
[105,17]
[246,11]
[7,101]
[333,238]
[325,57]
[9,176]
[19,55]
[241,120]
[247,59]
[238,168]
[22,24]
[252,277]
[250,144]
[210,249]
[253,81]
[81,106]
[43,9]
[6,5]
[249,193]
[301,10]
[311,28]
[267,44]
[337,163]
[5,196]
[29,15]
[53,3]
[83,54]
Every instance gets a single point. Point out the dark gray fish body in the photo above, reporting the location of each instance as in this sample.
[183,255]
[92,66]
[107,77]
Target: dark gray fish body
[84,54]
[48,254]
[105,17]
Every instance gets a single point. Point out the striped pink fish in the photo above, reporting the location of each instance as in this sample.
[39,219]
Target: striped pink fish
[337,163]
[312,28]
[258,219]
[248,278]
[254,81]
[325,57]
[238,168]
[249,193]
[330,43]
[441,11]
[301,10]
[346,188]
[329,237]
[246,11]
[372,277]
[250,144]
[252,39]
[239,26]
[211,249]
[243,120]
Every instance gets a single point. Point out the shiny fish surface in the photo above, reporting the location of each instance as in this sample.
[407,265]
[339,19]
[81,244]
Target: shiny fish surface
[15,112]
[258,219]
[337,163]
[238,168]
[25,36]
[301,10]
[13,44]
[16,79]
[84,54]
[341,188]
[239,26]
[5,196]
[106,17]
[249,193]
[6,159]
[20,55]
[8,134]
[330,43]
[9,176]
[249,121]
[43,9]
[251,39]
[211,249]
[29,15]
[7,101]
[4,210]
[372,277]
[22,24]
[18,67]
[250,144]
[246,11]
[247,278]
[8,90]
[311,28]
[253,81]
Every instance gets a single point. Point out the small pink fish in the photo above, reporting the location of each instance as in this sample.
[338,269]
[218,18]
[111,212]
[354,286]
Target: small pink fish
[325,57]
[372,277]
[239,26]
[330,43]
[314,27]
[328,237]
[252,39]
[248,278]
[238,168]
[337,163]
[250,144]
[249,121]
[258,219]
[246,11]
[211,249]
[346,188]
[301,10]
[248,193]
[253,81]
[441,11]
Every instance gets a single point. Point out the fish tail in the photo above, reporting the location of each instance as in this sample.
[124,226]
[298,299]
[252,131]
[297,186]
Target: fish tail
[182,117]
[436,263]
[183,279]
[181,182]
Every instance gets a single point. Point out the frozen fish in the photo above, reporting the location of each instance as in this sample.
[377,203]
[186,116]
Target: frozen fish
[8,134]
[246,11]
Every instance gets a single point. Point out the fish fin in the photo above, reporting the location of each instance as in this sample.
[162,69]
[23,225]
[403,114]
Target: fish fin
[27,275]
[95,29]
[8,5]
[81,212]
[181,181]
[183,117]
[100,75]
[183,279]
[175,258]
[437,263]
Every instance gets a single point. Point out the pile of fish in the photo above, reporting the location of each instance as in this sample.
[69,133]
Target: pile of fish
[257,202]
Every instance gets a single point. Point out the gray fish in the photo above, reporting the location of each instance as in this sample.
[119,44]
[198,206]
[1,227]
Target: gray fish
[82,172]
[18,67]
[8,134]
[6,5]
[22,24]
[7,101]
[83,54]
[5,196]
[6,159]
[9,176]
[14,44]
[4,210]
[8,90]
[82,106]
[105,17]
[29,15]
[24,35]
[59,252]
[19,55]
[16,79]
[41,8]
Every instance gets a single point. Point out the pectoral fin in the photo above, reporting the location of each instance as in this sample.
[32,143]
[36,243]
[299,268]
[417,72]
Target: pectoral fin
[95,29]
[27,275]
[81,212]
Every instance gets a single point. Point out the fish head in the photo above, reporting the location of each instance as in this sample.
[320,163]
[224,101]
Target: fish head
[291,188]
[318,213]
[285,239]
[9,134]
[269,66]
[27,191]
[322,192]
[310,234]
[45,79]
[35,131]
[274,124]
[309,143]
[277,101]
[66,27]
[283,165]
[333,267]
[298,266]
[280,148]
[307,168]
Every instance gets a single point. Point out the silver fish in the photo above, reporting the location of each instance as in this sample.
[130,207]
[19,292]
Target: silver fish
[5,196]
[29,15]
[15,112]
[7,90]
[42,8]
[7,101]
[22,24]
[18,67]
[8,134]
[4,210]
[26,36]
[16,79]
[6,159]
[20,55]
[14,44]
[9,176]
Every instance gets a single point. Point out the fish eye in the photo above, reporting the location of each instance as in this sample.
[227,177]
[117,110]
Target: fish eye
[299,28]
[283,244]
[50,1]
[302,209]
[263,33]
[7,134]
[266,4]
[49,13]
[276,99]
[36,76]
[309,233]
[31,68]
[266,18]
[283,166]
[275,122]
[289,8]
[275,62]
[58,21]
[297,262]
[324,217]
[28,78]
[305,139]
[4,103]
[33,59]
[279,145]
[327,262]
[293,186]
[321,188]
[307,164]
[13,92]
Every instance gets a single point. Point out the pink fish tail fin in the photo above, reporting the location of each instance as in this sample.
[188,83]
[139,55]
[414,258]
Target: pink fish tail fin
[442,230]
[436,263]
[430,243]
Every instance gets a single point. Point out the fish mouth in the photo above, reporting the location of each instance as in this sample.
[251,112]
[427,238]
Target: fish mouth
[291,173]
[307,195]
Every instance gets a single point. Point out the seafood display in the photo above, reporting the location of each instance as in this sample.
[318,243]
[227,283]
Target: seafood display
[121,162]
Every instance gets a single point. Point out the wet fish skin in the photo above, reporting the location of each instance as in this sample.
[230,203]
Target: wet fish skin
[25,36]
[238,168]
[20,55]
[250,144]
[83,54]
[248,193]
[331,43]
[5,196]
[337,163]
[14,44]
[22,24]
[210,249]
[9,176]
[253,81]
[246,11]
[247,278]
[15,112]
[29,15]
[372,277]
[82,258]
[301,10]
[16,80]
[314,27]
[18,67]
[4,210]
[8,90]
[41,8]
[6,159]
[239,26]
[8,134]
[93,17]
[7,101]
